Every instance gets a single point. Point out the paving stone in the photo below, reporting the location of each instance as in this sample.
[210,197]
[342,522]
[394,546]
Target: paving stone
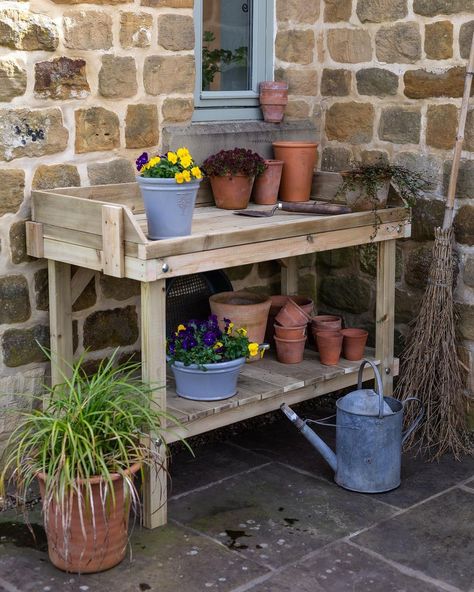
[343,568]
[434,538]
[276,515]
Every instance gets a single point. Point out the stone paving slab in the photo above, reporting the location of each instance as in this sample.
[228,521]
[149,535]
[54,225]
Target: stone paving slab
[435,537]
[343,568]
[275,515]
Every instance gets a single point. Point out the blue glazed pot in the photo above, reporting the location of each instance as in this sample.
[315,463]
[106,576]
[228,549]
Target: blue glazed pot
[169,206]
[217,382]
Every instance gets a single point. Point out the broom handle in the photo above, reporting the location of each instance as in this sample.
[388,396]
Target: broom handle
[449,210]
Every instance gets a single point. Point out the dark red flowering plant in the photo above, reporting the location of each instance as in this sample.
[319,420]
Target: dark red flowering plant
[238,161]
[202,342]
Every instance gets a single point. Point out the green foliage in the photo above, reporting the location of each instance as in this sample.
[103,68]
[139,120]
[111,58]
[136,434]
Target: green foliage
[214,59]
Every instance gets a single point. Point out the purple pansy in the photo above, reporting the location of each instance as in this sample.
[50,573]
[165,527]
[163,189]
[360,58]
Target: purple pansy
[141,160]
[209,338]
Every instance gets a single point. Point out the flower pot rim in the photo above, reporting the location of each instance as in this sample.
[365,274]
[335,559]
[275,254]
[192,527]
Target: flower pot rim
[292,327]
[329,334]
[290,340]
[156,180]
[295,144]
[179,364]
[95,479]
[220,298]
[280,84]
[325,318]
[354,332]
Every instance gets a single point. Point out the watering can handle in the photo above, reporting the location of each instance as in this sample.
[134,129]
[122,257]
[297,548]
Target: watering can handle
[417,419]
[378,380]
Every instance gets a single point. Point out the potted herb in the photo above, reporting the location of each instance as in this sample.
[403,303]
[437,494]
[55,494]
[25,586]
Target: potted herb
[366,186]
[84,444]
[169,186]
[232,173]
[206,361]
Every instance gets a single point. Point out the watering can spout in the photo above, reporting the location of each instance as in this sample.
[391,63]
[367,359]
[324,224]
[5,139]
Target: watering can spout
[312,438]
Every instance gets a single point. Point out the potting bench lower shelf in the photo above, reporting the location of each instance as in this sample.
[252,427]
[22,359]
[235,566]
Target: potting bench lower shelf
[103,229]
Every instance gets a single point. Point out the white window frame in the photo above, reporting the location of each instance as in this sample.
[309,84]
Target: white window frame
[229,105]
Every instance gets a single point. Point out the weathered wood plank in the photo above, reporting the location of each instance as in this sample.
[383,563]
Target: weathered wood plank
[79,282]
[34,239]
[385,312]
[60,320]
[113,252]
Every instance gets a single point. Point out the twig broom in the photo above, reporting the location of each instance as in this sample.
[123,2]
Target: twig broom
[430,367]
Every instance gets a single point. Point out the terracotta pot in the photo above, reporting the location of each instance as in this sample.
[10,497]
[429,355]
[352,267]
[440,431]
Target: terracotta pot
[326,322]
[290,351]
[290,332]
[292,315]
[278,302]
[329,346]
[299,160]
[359,201]
[232,192]
[244,309]
[266,185]
[353,344]
[273,100]
[106,541]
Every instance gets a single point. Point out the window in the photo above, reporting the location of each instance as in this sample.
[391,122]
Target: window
[234,52]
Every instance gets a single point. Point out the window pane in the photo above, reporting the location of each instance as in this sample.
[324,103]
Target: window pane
[227,45]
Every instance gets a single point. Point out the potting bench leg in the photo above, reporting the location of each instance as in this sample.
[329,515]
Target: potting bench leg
[60,320]
[153,335]
[289,276]
[385,313]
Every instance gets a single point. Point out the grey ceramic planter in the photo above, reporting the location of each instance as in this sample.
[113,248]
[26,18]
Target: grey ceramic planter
[169,206]
[218,381]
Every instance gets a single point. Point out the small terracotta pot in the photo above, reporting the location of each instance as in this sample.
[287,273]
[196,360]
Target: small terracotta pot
[290,351]
[290,332]
[299,160]
[278,302]
[266,185]
[353,344]
[232,192]
[329,346]
[326,322]
[292,315]
[273,100]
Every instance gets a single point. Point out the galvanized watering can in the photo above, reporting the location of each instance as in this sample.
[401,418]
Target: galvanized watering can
[369,438]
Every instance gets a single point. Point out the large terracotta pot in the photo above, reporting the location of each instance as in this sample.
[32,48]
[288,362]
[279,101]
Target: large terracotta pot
[105,542]
[266,186]
[299,159]
[244,309]
[290,351]
[232,192]
[273,100]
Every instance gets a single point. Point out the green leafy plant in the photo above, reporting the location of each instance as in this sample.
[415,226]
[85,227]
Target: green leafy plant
[214,59]
[177,165]
[238,161]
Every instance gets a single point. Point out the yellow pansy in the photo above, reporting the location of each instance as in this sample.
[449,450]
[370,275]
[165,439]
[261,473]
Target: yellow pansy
[185,161]
[187,176]
[196,172]
[153,161]
[172,157]
[218,344]
[253,349]
[242,332]
[230,326]
[179,178]
[182,152]
[181,328]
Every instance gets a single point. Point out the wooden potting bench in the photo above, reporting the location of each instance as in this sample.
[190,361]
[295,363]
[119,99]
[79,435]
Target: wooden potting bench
[103,228]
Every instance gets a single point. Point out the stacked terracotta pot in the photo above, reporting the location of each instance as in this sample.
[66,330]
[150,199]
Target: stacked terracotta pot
[291,324]
[331,340]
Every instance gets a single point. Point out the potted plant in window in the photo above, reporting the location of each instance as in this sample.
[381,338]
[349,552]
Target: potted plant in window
[232,173]
[206,361]
[169,186]
[84,444]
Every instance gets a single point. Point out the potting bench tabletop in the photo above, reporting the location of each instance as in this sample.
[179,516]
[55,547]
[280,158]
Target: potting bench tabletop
[103,228]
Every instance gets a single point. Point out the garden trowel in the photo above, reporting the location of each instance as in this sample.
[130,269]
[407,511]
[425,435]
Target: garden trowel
[321,209]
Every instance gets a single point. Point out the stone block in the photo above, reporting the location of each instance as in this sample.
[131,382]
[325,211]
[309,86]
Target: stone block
[337,259]
[421,84]
[17,237]
[427,215]
[87,29]
[141,126]
[336,11]
[336,159]
[295,11]
[61,78]
[349,45]
[297,110]
[22,346]
[12,80]
[374,156]
[426,164]
[31,133]
[177,110]
[464,225]
[135,29]
[350,293]
[336,83]
[380,11]
[49,176]
[168,3]
[469,132]
[417,265]
[441,126]
[435,7]
[465,38]
[468,272]
[21,29]
[296,47]
[400,125]
[111,328]
[119,170]
[466,320]
[96,129]
[439,40]
[41,289]
[268,269]
[87,299]
[398,44]
[176,32]
[169,74]
[118,288]
[12,190]
[14,299]
[376,82]
[350,122]
[118,77]
[465,185]
[238,273]
[407,305]
[300,82]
